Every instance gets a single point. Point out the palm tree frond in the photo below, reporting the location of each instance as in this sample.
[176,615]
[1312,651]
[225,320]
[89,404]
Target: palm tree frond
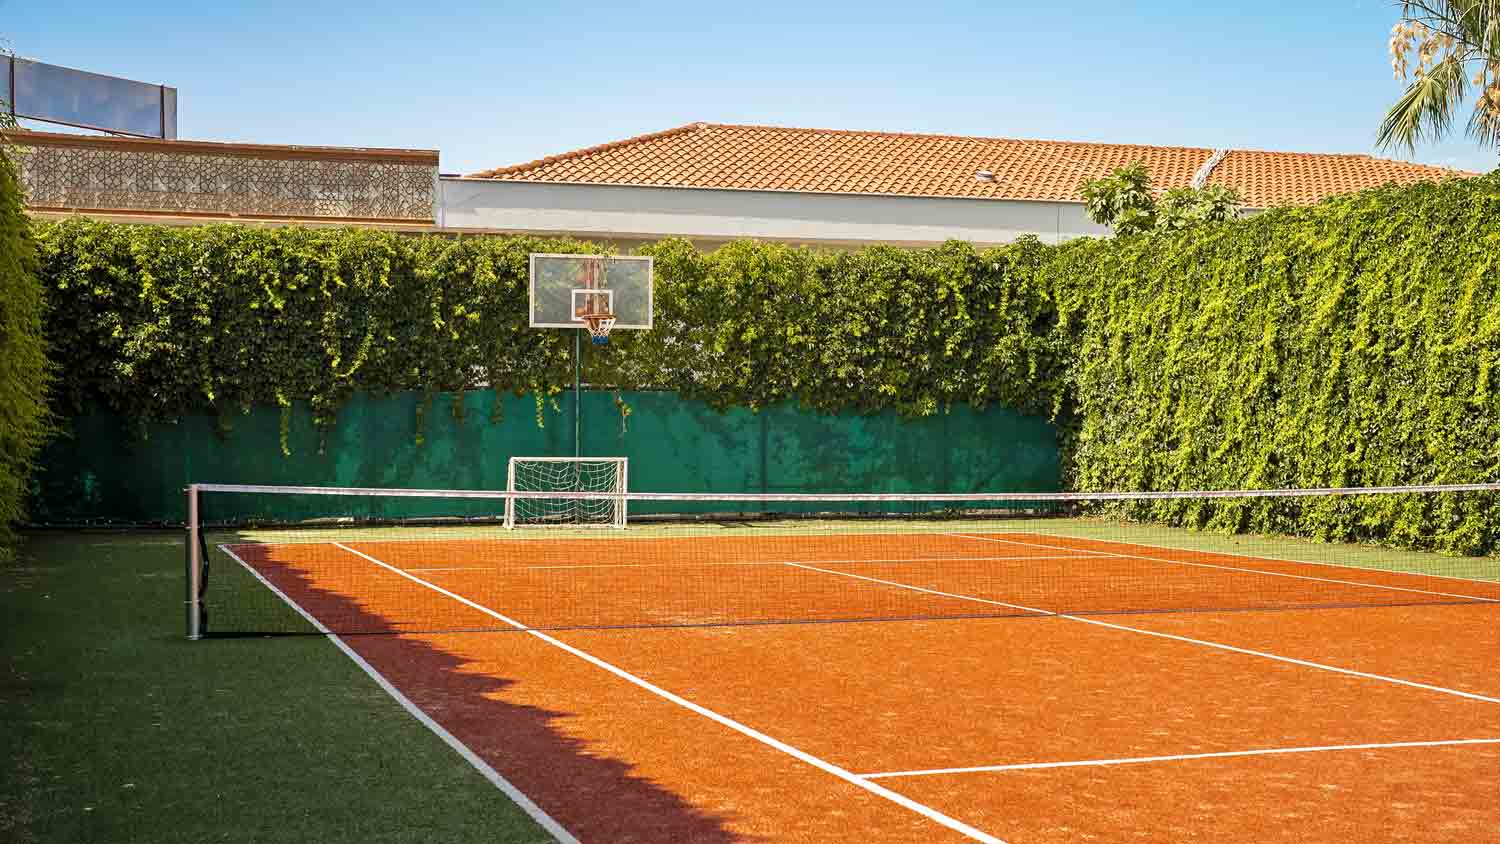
[1425,112]
[1472,23]
[1484,123]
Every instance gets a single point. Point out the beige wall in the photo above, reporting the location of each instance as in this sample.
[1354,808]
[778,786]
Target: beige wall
[710,217]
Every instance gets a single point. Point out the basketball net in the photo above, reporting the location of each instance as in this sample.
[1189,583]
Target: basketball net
[600,321]
[599,326]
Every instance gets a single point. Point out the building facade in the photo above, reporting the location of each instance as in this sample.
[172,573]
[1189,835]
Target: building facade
[710,183]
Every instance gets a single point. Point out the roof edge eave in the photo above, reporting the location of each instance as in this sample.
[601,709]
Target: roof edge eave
[575,184]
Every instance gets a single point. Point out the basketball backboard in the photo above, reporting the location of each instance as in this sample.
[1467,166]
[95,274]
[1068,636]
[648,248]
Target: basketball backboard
[565,287]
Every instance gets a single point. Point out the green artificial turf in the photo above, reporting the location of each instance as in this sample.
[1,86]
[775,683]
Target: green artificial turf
[114,728]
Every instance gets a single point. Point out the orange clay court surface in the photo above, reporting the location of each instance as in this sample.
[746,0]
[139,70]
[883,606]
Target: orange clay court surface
[1280,702]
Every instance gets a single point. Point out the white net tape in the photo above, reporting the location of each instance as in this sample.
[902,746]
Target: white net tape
[602,477]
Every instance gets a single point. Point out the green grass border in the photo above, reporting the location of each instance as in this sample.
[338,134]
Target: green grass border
[115,728]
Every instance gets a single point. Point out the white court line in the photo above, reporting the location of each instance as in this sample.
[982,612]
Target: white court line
[457,568]
[1287,659]
[965,536]
[536,813]
[1273,751]
[827,767]
[1325,564]
[1241,569]
[1029,544]
[1204,642]
[1078,556]
[920,589]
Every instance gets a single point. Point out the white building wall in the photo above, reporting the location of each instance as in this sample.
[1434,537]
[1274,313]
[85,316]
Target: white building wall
[713,216]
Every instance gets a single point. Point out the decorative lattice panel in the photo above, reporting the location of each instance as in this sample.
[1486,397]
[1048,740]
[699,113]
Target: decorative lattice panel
[172,178]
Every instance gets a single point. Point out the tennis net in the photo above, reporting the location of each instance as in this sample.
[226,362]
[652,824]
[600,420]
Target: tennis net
[269,560]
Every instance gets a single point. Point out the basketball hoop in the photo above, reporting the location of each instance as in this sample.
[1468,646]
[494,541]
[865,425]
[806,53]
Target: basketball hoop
[599,326]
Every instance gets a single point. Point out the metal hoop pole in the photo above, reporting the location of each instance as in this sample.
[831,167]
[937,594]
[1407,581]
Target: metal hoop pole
[578,393]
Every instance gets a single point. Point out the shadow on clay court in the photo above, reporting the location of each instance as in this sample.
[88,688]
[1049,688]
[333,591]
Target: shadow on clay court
[594,797]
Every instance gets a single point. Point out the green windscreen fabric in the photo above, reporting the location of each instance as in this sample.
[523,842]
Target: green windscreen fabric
[678,446]
[103,472]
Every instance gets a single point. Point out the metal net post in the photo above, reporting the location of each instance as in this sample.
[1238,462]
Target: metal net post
[194,566]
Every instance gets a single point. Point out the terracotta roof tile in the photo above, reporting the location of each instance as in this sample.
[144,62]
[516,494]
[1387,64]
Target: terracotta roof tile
[1299,178]
[726,156]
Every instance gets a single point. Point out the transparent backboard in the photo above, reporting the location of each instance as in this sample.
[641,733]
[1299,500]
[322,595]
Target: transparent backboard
[565,287]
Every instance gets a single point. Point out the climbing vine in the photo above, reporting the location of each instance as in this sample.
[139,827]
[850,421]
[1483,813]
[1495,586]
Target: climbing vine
[1356,342]
[1353,343]
[25,371]
[155,322]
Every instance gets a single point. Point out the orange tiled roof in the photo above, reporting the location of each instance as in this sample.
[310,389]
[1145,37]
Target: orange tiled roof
[732,157]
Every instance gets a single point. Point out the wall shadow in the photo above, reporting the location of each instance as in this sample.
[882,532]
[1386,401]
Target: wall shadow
[595,797]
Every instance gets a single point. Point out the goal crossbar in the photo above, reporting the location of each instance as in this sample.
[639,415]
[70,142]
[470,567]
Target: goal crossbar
[590,491]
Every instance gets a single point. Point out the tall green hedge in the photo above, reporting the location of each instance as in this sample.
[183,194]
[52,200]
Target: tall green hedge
[1356,342]
[155,322]
[24,422]
[1353,343]
[752,324]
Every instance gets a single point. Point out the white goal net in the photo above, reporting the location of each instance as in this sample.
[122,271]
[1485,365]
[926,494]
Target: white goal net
[566,474]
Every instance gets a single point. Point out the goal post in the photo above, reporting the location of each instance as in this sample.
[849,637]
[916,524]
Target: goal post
[607,476]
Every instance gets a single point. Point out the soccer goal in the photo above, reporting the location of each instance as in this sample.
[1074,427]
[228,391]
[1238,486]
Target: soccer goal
[603,475]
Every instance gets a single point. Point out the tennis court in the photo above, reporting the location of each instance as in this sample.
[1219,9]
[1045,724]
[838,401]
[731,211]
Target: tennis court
[957,679]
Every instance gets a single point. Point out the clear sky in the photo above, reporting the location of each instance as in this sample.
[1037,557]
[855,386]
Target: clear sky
[500,83]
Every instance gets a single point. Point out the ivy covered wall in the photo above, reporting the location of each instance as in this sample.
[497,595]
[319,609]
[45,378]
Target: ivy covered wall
[1355,342]
[154,322]
[24,370]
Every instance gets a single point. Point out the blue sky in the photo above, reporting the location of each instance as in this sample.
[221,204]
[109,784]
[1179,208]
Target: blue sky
[499,83]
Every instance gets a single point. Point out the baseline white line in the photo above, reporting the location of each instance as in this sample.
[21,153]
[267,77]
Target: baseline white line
[1078,556]
[1204,642]
[1489,582]
[1242,569]
[1030,544]
[535,812]
[1036,766]
[723,720]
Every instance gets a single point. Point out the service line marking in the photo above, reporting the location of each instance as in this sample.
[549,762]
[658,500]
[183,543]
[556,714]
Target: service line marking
[456,568]
[1086,763]
[1144,632]
[723,720]
[1242,569]
[911,588]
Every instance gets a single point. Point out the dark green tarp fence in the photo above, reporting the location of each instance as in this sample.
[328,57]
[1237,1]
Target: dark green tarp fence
[105,473]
